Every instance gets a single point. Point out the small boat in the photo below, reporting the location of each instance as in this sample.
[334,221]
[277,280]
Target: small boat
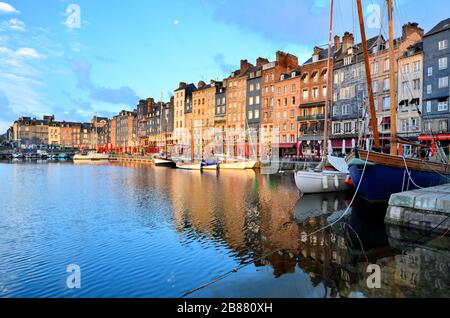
[322,181]
[189,166]
[161,162]
[209,164]
[91,156]
[238,165]
[62,156]
[17,155]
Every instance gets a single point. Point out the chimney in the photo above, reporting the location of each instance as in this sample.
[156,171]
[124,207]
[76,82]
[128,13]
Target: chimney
[317,50]
[213,83]
[347,41]
[182,85]
[260,61]
[201,84]
[411,28]
[287,60]
[245,65]
[337,43]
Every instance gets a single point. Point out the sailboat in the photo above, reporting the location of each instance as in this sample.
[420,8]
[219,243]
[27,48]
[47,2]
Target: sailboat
[162,160]
[380,175]
[191,165]
[324,179]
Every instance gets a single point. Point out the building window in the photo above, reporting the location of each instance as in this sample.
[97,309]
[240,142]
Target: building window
[443,63]
[337,128]
[429,89]
[443,125]
[252,87]
[443,106]
[315,92]
[256,113]
[416,84]
[293,100]
[405,125]
[443,82]
[405,69]
[387,65]
[324,91]
[430,71]
[386,103]
[417,67]
[375,87]
[429,106]
[345,110]
[305,94]
[348,60]
[257,100]
[250,115]
[375,68]
[348,127]
[387,84]
[443,45]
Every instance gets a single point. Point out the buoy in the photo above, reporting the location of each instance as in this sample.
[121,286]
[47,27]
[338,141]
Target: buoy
[350,181]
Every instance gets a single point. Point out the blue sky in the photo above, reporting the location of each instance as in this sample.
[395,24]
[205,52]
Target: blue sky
[124,51]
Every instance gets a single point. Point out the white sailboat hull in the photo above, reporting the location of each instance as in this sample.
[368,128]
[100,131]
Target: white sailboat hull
[210,167]
[241,165]
[91,157]
[189,166]
[321,182]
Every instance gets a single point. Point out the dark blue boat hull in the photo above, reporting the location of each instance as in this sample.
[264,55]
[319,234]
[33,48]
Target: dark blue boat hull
[380,182]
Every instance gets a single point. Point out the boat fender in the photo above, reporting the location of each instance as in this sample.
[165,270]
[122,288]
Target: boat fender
[336,181]
[325,182]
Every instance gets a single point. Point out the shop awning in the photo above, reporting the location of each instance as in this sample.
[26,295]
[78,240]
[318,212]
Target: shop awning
[337,143]
[386,121]
[440,137]
[284,146]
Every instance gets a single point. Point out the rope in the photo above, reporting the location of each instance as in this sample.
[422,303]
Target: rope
[238,268]
[409,174]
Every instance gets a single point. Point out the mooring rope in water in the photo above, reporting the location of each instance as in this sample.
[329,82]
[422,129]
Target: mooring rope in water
[236,269]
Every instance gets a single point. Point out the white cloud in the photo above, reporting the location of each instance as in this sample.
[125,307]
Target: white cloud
[14,24]
[27,52]
[7,8]
[21,53]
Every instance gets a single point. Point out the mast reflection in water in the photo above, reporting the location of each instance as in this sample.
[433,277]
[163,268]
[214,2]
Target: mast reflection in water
[138,231]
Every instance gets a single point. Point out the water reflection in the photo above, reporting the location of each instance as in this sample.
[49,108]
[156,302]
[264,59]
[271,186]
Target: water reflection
[158,232]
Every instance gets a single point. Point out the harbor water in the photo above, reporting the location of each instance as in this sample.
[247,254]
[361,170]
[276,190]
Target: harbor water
[140,231]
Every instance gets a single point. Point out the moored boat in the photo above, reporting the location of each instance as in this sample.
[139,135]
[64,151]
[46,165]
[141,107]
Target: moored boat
[309,182]
[209,164]
[385,174]
[189,166]
[91,156]
[160,162]
[237,165]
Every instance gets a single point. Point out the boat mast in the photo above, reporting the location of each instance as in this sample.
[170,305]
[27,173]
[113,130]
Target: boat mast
[393,96]
[329,84]
[373,113]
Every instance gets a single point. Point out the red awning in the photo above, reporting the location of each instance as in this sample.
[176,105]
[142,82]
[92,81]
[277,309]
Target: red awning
[386,121]
[337,143]
[441,137]
[284,146]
